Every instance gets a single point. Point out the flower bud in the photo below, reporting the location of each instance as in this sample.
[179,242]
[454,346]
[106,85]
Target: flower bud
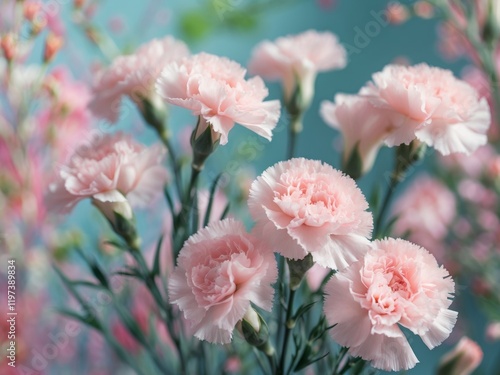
[121,218]
[154,112]
[255,331]
[31,10]
[204,141]
[423,9]
[78,4]
[397,13]
[8,45]
[462,360]
[298,269]
[53,44]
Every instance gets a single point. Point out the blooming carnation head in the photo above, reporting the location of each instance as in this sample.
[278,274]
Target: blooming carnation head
[362,125]
[133,75]
[396,284]
[296,60]
[304,206]
[220,270]
[215,89]
[430,104]
[111,169]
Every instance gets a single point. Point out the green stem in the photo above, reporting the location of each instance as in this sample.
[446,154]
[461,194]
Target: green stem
[182,219]
[295,129]
[289,325]
[385,205]
[176,167]
[165,311]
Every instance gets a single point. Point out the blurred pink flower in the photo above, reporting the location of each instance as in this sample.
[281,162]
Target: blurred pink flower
[471,165]
[494,168]
[111,169]
[304,206]
[220,270]
[477,79]
[66,121]
[396,284]
[473,191]
[463,359]
[215,88]
[397,13]
[426,208]
[431,105]
[315,276]
[133,75]
[493,331]
[363,126]
[295,60]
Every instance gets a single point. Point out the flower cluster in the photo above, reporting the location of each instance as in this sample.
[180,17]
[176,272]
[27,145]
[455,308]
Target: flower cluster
[403,104]
[277,267]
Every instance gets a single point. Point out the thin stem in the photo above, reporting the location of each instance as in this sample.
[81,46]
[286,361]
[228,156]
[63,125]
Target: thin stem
[289,325]
[165,311]
[281,272]
[295,129]
[384,207]
[182,219]
[174,161]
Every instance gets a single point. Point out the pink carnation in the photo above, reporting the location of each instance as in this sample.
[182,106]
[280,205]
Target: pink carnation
[397,283]
[304,206]
[426,209]
[431,105]
[215,88]
[111,169]
[298,58]
[221,269]
[362,125]
[133,75]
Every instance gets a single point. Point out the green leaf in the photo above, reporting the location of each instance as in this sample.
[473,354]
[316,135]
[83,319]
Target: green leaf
[301,365]
[195,218]
[303,309]
[375,199]
[156,263]
[225,212]
[87,320]
[94,268]
[211,200]
[88,284]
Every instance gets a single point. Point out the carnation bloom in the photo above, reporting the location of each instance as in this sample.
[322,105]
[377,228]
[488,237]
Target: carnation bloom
[215,89]
[397,283]
[463,359]
[304,206]
[296,60]
[220,270]
[431,105]
[133,75]
[112,170]
[426,211]
[362,125]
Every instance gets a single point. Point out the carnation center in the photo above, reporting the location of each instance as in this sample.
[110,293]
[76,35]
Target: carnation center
[392,287]
[217,278]
[309,200]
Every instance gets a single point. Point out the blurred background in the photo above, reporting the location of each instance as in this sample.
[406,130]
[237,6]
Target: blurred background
[229,28]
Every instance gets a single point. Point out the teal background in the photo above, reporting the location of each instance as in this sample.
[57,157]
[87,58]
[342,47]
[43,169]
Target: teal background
[415,40]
